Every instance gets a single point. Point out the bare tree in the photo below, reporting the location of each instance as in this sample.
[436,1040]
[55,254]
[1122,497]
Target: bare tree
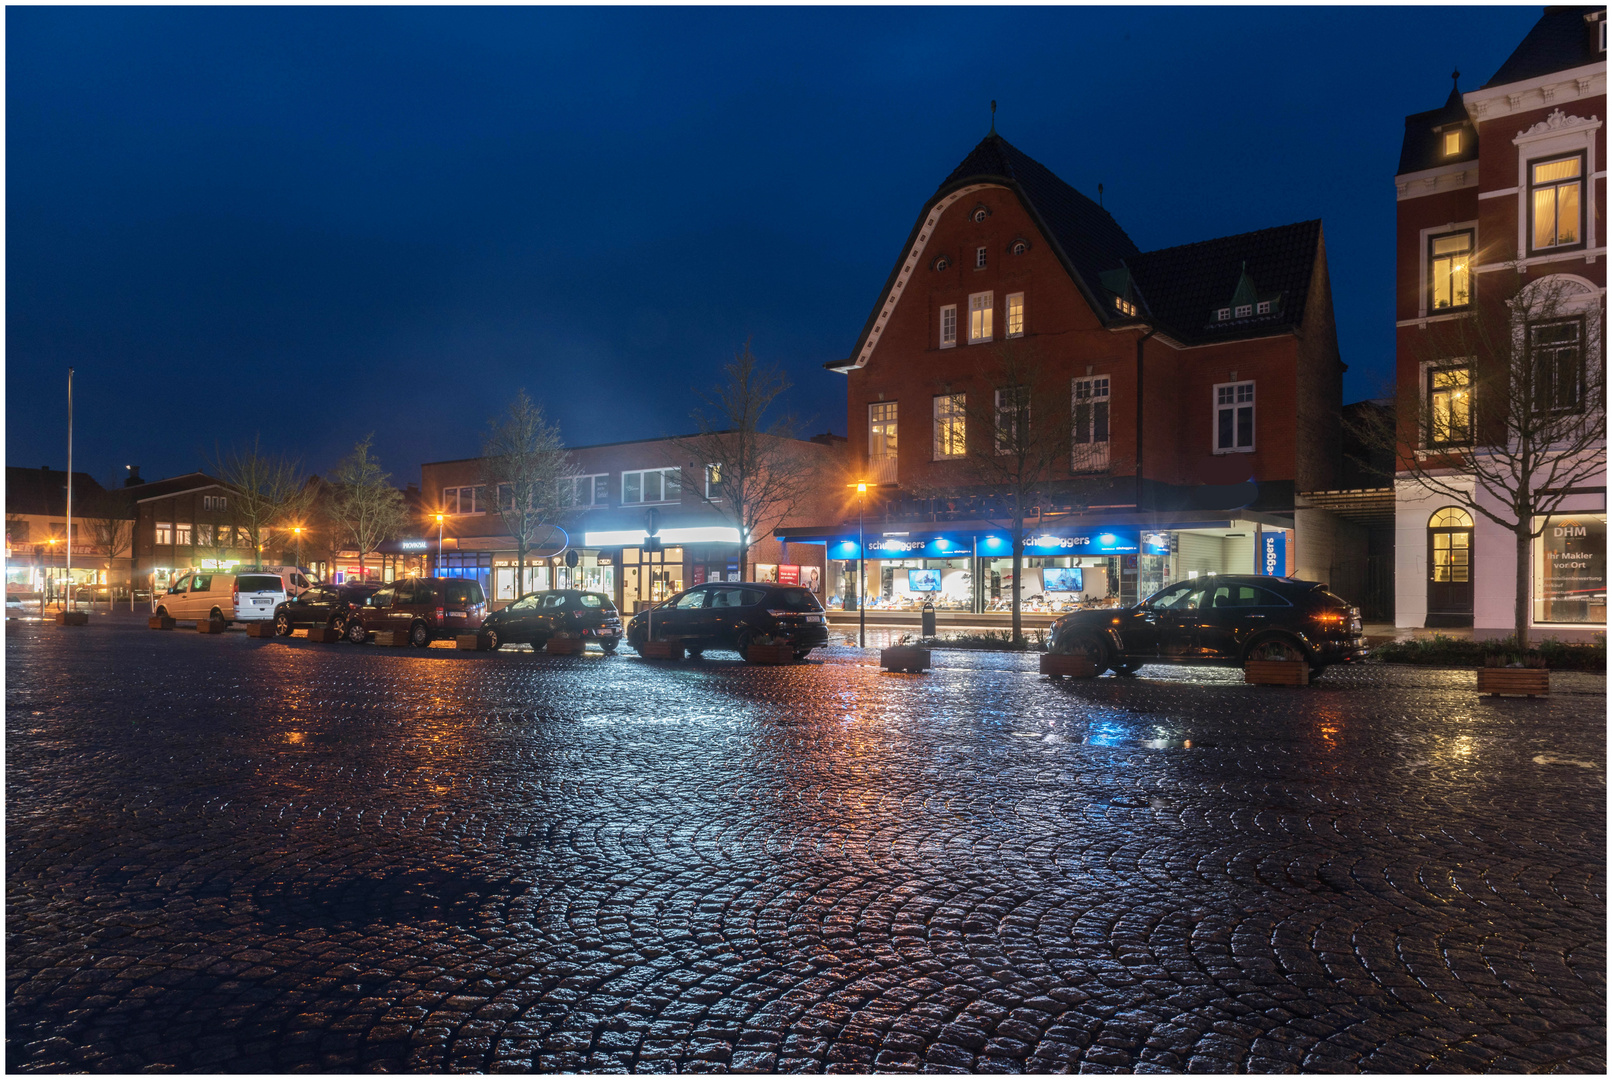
[529,474]
[109,521]
[266,491]
[752,471]
[1017,442]
[1510,412]
[363,509]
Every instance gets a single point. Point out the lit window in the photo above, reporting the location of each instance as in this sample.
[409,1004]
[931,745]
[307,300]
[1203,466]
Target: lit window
[1449,399]
[951,425]
[1263,307]
[1449,260]
[1554,188]
[182,535]
[1090,408]
[1452,142]
[1244,310]
[882,441]
[1015,314]
[1557,368]
[979,258]
[1223,314]
[713,481]
[979,317]
[165,532]
[948,326]
[1234,418]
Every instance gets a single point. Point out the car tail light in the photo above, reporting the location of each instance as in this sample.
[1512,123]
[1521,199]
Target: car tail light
[1330,618]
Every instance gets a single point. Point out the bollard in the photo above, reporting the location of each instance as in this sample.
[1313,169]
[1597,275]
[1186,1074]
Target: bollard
[929,619]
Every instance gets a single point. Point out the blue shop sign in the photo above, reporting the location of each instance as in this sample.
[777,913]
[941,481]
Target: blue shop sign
[907,546]
[1049,544]
[1273,554]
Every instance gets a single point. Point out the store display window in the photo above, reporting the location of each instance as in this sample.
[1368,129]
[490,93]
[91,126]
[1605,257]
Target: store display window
[1570,570]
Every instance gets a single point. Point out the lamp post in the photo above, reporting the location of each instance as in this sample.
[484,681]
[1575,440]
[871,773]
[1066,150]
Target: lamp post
[438,567]
[861,554]
[298,530]
[50,574]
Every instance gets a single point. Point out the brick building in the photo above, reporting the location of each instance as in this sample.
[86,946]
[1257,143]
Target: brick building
[619,489]
[1501,196]
[1200,386]
[37,541]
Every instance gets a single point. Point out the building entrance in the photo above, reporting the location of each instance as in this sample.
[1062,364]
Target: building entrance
[1449,568]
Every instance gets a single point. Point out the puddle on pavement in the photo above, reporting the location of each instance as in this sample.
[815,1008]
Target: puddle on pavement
[1548,759]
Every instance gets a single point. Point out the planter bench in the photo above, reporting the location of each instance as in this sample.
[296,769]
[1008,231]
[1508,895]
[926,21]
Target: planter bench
[904,658]
[324,634]
[477,642]
[1068,665]
[770,654]
[209,626]
[392,639]
[72,618]
[160,622]
[661,650]
[1520,682]
[564,646]
[260,629]
[1277,672]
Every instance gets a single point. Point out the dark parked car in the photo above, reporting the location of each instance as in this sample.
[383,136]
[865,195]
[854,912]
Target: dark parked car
[538,616]
[1222,619]
[731,615]
[422,608]
[324,605]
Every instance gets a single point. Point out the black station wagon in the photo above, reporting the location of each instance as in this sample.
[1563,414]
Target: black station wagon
[538,616]
[733,614]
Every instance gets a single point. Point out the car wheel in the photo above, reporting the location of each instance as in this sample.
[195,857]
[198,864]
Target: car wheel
[1092,648]
[1316,670]
[215,615]
[355,631]
[493,640]
[743,644]
[1276,648]
[419,635]
[282,624]
[339,625]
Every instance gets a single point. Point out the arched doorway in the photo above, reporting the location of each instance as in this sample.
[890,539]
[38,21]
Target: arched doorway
[1449,568]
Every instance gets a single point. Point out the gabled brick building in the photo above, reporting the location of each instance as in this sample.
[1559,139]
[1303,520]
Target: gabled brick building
[1202,384]
[1501,195]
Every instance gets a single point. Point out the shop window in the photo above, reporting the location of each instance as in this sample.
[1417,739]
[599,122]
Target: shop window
[882,442]
[1570,569]
[979,317]
[1090,436]
[1449,269]
[713,481]
[1555,202]
[948,326]
[165,533]
[1556,365]
[1015,314]
[1234,418]
[1012,418]
[652,486]
[1449,401]
[951,426]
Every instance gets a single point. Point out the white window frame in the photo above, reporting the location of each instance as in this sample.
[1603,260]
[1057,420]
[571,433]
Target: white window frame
[948,326]
[1424,434]
[1540,143]
[950,410]
[593,489]
[1262,308]
[1091,455]
[1234,404]
[882,467]
[713,468]
[981,308]
[1424,287]
[1451,151]
[641,473]
[981,256]
[1244,310]
[163,533]
[1015,311]
[183,535]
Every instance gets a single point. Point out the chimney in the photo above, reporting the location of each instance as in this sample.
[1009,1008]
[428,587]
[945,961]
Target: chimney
[133,479]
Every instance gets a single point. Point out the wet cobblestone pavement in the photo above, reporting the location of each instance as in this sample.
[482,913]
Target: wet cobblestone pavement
[227,854]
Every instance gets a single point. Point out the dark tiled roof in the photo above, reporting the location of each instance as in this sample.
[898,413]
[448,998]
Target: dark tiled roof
[156,489]
[1423,147]
[1182,286]
[1090,239]
[1560,40]
[44,491]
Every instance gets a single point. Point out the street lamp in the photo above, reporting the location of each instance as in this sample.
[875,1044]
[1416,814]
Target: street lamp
[50,573]
[298,530]
[439,546]
[861,554]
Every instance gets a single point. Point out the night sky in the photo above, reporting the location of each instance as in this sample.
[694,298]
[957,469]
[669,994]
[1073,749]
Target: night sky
[321,222]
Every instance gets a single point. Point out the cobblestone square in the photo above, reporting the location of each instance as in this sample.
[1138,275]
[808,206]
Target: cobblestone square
[231,854]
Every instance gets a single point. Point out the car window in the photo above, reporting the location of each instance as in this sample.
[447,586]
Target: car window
[201,582]
[694,598]
[314,596]
[257,583]
[456,593]
[796,600]
[1183,597]
[554,600]
[525,603]
[1227,596]
[724,598]
[592,600]
[179,584]
[381,598]
[299,581]
[751,597]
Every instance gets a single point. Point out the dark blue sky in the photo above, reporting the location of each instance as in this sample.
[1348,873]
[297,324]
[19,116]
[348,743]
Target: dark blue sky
[318,222]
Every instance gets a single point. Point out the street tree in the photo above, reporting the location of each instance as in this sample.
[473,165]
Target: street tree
[750,469]
[361,507]
[530,476]
[109,522]
[266,491]
[1509,416]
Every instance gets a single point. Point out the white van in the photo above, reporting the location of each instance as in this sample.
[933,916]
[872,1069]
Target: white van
[295,580]
[198,595]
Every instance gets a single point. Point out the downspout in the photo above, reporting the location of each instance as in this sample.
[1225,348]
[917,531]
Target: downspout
[1139,400]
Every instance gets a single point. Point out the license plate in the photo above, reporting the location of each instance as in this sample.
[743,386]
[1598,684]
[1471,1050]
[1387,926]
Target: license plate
[814,618]
[457,614]
[260,601]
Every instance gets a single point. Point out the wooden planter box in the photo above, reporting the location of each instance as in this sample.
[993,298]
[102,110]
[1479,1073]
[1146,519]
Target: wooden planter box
[564,646]
[661,650]
[770,654]
[904,658]
[1071,665]
[392,639]
[470,641]
[323,634]
[260,629]
[72,618]
[208,626]
[1529,682]
[160,622]
[1277,672]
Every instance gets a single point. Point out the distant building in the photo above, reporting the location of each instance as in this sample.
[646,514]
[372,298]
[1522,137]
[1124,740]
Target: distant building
[37,538]
[1202,384]
[1506,177]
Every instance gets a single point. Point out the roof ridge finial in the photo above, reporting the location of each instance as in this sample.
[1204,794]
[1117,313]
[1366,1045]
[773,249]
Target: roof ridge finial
[1455,78]
[993,116]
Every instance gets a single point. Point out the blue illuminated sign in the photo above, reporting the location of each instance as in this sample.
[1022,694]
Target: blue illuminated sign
[1273,554]
[994,545]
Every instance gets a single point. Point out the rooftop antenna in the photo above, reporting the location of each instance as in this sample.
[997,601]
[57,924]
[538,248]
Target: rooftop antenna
[1099,195]
[993,116]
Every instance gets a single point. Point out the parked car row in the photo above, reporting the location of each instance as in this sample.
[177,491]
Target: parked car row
[229,596]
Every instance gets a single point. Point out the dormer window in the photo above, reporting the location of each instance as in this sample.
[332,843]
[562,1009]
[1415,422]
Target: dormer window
[1019,247]
[1263,307]
[1452,142]
[1124,306]
[1223,314]
[1244,310]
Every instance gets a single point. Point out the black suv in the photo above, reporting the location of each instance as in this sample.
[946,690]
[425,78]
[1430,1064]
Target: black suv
[1221,619]
[323,605]
[538,616]
[731,615]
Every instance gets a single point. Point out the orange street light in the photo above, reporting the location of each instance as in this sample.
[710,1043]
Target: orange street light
[439,544]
